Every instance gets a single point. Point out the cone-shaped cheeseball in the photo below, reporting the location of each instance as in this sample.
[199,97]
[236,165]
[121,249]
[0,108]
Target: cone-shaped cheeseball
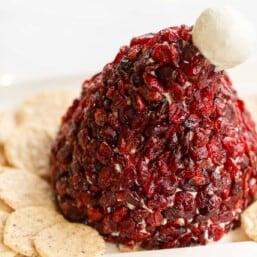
[158,150]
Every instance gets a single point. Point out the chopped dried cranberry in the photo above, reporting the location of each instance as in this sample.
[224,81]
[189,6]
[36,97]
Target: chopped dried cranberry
[216,232]
[158,150]
[100,117]
[119,214]
[141,39]
[166,74]
[165,53]
[94,214]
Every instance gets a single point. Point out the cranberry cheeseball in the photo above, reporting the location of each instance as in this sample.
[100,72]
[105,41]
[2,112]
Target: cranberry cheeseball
[158,150]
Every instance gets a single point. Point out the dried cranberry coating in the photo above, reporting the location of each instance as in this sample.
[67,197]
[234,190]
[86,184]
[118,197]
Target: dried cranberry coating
[158,150]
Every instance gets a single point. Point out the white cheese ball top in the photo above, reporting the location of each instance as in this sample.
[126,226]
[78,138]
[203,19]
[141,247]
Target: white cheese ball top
[224,37]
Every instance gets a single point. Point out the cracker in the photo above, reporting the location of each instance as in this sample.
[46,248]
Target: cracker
[69,239]
[46,109]
[5,251]
[249,221]
[22,188]
[28,148]
[7,125]
[23,224]
[4,207]
[3,160]
[7,168]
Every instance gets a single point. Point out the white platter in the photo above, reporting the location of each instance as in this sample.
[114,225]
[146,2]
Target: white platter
[245,81]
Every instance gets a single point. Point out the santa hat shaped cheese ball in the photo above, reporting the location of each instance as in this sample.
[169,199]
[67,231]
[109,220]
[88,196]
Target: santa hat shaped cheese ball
[158,150]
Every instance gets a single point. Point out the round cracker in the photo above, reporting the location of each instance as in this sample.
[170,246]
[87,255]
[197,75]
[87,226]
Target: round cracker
[249,221]
[69,239]
[46,109]
[23,224]
[8,124]
[22,189]
[3,206]
[29,148]
[5,251]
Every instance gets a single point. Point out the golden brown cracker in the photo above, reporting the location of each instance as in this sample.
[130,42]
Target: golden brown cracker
[69,239]
[5,251]
[45,109]
[23,224]
[29,148]
[22,189]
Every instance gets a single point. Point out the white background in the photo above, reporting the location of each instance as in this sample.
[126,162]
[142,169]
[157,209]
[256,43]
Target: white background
[52,38]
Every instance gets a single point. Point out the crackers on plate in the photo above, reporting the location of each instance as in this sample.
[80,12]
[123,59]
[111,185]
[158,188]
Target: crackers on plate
[30,225]
[38,118]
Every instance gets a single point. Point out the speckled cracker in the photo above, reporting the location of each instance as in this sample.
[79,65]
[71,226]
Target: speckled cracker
[22,189]
[29,148]
[5,251]
[249,221]
[69,239]
[23,224]
[46,109]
